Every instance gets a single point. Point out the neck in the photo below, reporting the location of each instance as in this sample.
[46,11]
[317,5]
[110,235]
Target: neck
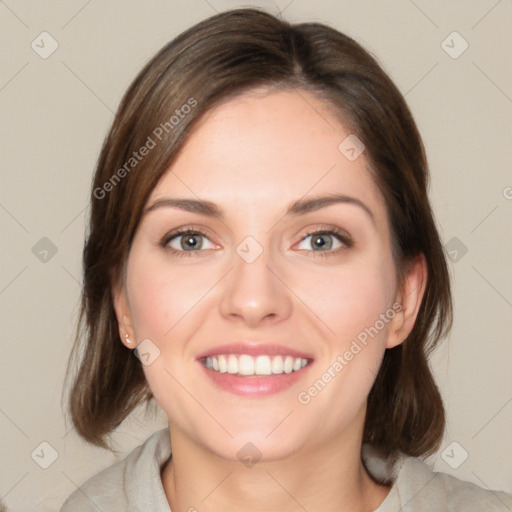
[329,478]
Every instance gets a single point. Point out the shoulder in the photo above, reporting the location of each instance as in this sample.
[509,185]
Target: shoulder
[102,491]
[112,488]
[417,488]
[105,490]
[425,489]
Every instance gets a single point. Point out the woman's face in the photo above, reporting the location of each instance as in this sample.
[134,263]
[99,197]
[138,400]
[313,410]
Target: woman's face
[257,283]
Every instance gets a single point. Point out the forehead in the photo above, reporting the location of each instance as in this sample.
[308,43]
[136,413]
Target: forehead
[262,150]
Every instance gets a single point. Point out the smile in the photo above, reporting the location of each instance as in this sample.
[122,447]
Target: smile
[246,365]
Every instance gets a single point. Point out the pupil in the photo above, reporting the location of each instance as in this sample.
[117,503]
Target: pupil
[192,241]
[319,241]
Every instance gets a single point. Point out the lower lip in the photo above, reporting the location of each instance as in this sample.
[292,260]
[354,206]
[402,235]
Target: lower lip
[255,385]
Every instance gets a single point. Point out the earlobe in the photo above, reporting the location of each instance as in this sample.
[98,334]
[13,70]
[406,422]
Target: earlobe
[394,337]
[124,321]
[409,296]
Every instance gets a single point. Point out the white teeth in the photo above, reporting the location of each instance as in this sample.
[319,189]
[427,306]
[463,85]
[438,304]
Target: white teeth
[246,365]
[260,365]
[223,364]
[277,364]
[288,364]
[232,364]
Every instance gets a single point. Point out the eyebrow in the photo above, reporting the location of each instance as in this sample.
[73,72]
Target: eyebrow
[296,208]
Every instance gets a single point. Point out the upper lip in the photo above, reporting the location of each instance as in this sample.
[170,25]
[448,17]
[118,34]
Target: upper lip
[253,349]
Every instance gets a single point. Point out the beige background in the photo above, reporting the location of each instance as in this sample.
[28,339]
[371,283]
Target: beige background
[55,113]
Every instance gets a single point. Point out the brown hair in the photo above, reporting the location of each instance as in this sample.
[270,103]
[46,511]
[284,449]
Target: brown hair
[210,63]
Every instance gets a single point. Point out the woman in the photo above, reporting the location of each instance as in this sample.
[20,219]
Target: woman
[262,238]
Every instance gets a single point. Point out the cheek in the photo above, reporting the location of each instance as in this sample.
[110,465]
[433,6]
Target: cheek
[350,297]
[165,302]
[161,295]
[351,304]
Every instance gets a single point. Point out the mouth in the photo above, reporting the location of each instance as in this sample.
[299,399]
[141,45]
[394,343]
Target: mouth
[247,365]
[254,371]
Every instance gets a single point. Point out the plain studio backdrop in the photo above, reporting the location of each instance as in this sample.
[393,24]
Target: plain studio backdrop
[64,68]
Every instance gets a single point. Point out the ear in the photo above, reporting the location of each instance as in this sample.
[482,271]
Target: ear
[123,314]
[408,301]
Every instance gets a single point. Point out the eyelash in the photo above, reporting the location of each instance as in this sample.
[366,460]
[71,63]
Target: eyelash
[340,235]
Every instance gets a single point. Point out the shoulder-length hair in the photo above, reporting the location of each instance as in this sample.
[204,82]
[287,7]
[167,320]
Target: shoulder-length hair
[215,60]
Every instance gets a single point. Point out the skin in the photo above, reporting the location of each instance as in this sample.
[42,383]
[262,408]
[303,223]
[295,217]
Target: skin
[253,156]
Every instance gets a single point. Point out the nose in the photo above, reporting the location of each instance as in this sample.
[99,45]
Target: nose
[255,293]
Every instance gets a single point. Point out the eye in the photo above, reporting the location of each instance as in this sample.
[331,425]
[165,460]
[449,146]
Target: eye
[186,241]
[325,241]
